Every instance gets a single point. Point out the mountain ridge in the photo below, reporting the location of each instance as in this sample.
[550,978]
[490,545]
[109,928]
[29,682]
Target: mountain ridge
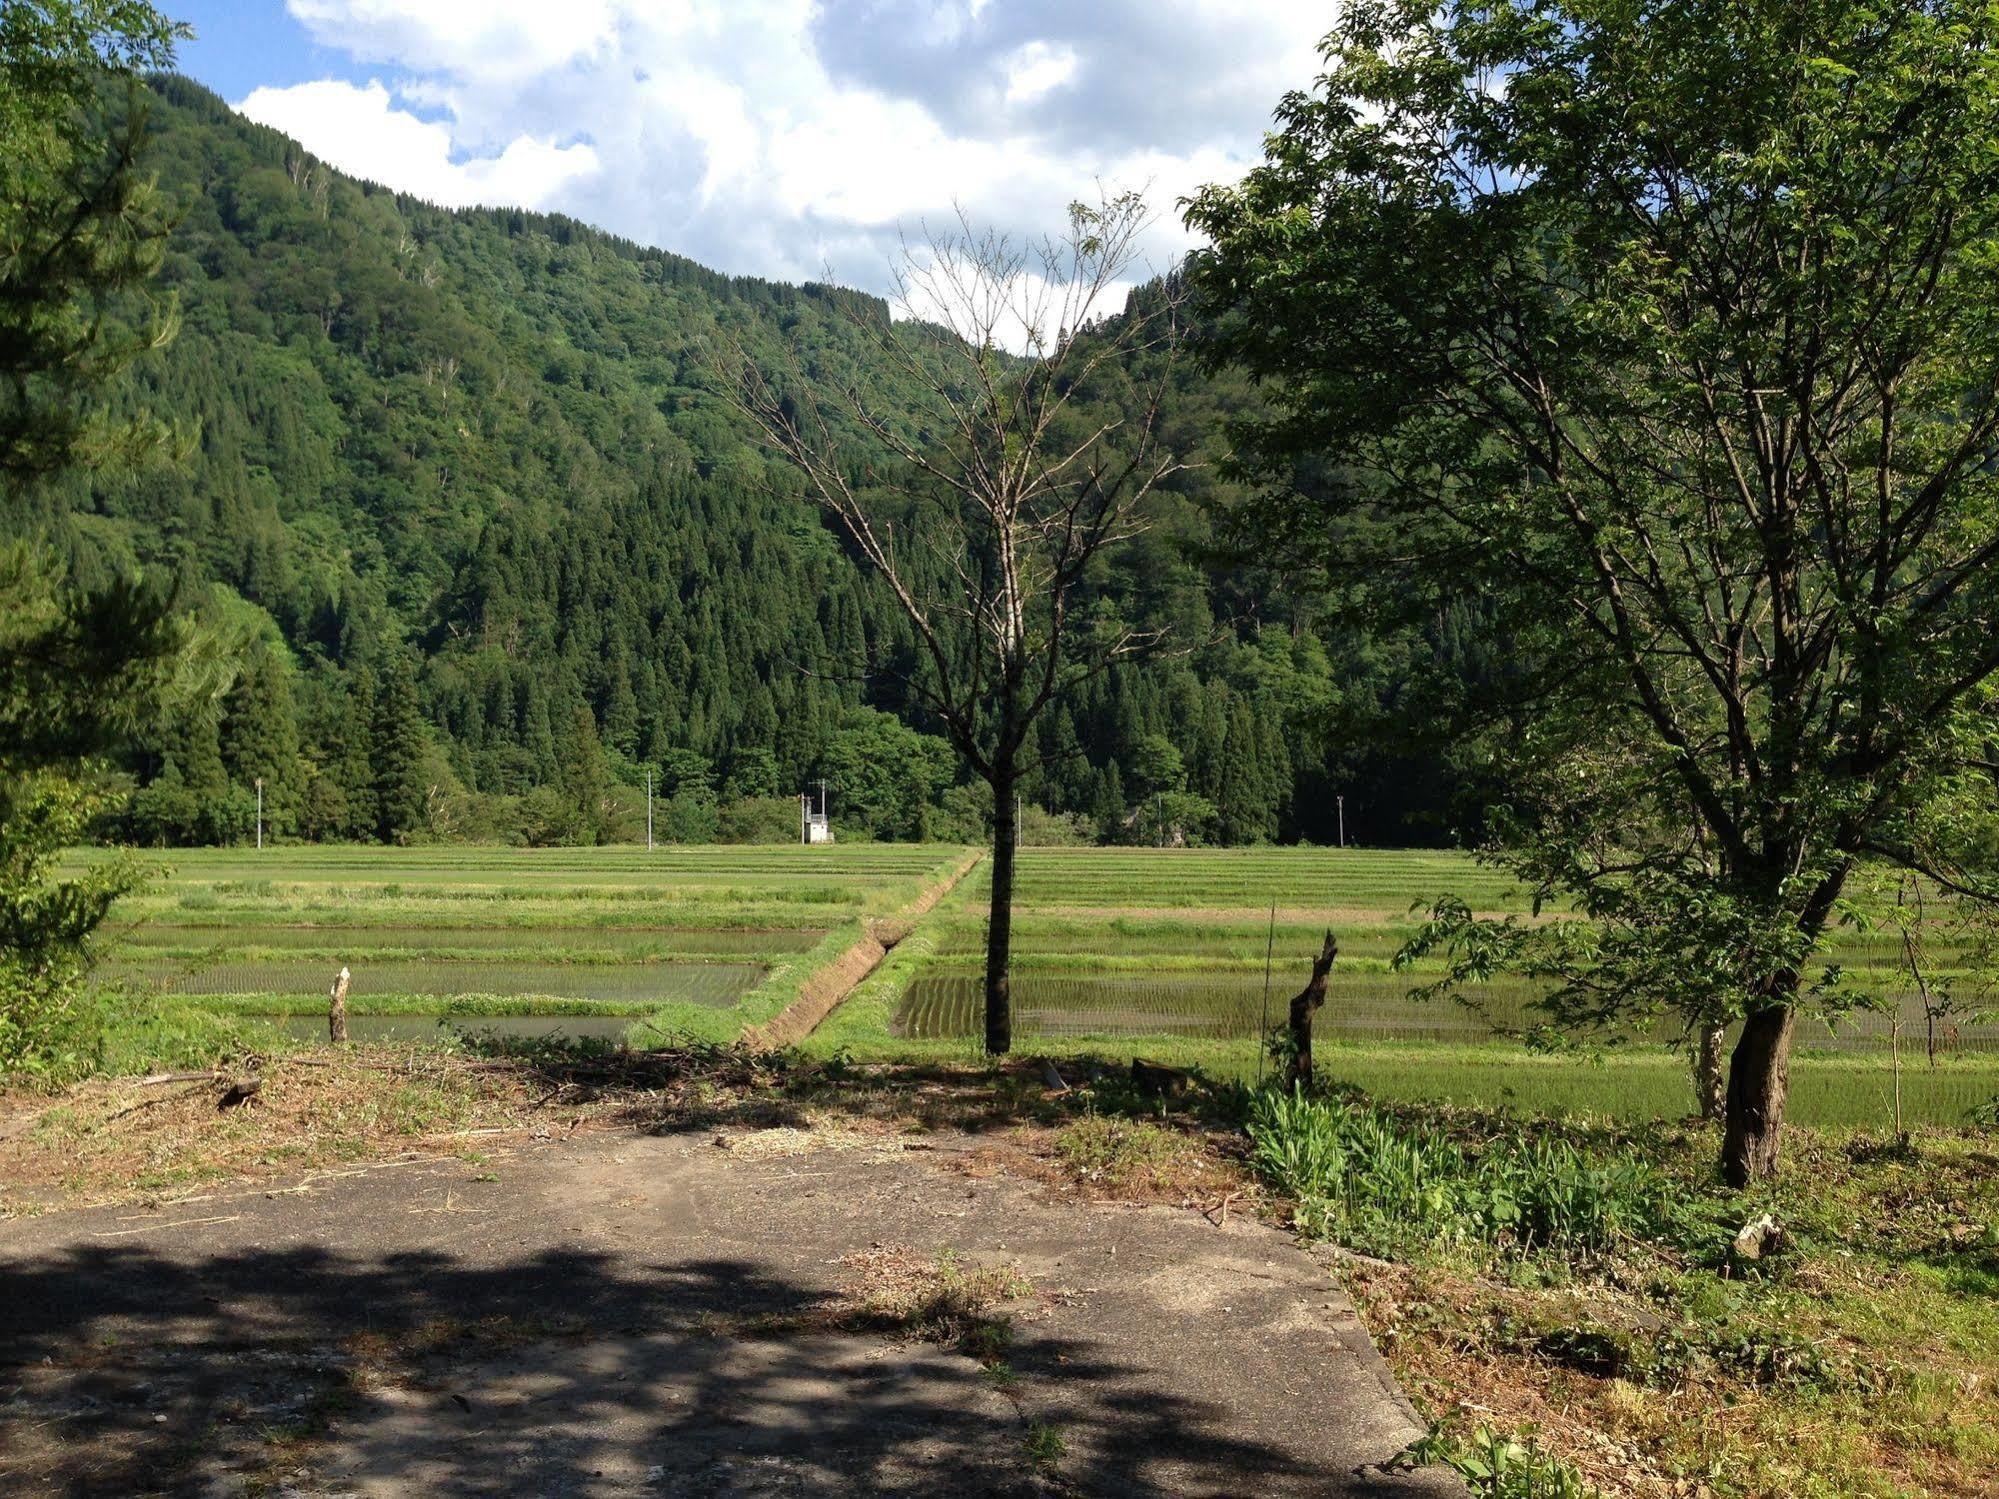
[486,439]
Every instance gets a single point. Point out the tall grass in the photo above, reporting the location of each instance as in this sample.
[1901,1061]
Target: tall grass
[1387,1184]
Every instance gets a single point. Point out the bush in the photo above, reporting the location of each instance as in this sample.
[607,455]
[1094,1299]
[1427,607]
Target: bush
[51,1029]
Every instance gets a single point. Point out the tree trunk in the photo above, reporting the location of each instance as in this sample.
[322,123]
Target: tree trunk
[999,924]
[336,1012]
[1759,1078]
[1710,1076]
[1304,1007]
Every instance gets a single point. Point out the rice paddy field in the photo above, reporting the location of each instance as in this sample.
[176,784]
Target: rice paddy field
[676,943]
[1185,956]
[1165,953]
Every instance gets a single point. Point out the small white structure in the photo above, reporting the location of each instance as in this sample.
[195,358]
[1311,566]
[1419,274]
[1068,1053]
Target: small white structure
[813,826]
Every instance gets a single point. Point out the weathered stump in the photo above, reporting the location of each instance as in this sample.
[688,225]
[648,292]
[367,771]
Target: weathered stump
[1157,1080]
[336,1014]
[1304,1007]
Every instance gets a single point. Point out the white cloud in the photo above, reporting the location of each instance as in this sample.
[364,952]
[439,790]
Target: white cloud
[361,131]
[500,38]
[785,138]
[1036,70]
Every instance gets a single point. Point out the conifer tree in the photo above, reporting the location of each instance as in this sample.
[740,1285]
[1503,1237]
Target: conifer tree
[583,782]
[260,739]
[351,757]
[400,743]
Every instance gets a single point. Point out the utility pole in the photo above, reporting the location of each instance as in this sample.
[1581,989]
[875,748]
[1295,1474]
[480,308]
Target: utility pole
[648,809]
[1342,802]
[260,812]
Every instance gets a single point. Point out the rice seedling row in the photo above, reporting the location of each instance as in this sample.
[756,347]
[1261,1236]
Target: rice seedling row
[1363,1005]
[711,984]
[576,943]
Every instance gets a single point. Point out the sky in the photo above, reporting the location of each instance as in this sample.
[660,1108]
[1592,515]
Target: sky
[792,139]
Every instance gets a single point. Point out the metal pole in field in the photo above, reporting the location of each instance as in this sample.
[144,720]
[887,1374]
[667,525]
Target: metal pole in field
[260,811]
[648,809]
[1342,801]
[1263,1036]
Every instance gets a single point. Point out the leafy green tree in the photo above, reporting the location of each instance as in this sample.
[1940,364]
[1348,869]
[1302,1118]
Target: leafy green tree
[1668,334]
[1109,808]
[752,773]
[686,772]
[1157,766]
[163,811]
[964,814]
[883,775]
[349,735]
[81,667]
[585,781]
[323,811]
[690,816]
[80,671]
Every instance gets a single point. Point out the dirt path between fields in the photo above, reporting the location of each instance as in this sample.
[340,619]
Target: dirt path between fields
[683,1314]
[822,992]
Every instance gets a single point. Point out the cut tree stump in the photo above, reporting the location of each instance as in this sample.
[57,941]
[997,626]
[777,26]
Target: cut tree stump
[239,1092]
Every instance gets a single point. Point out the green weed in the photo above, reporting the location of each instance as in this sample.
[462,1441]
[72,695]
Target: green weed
[1495,1465]
[1116,1151]
[1385,1184]
[1046,1447]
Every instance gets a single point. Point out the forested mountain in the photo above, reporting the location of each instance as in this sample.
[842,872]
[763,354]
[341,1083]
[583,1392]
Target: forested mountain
[461,482]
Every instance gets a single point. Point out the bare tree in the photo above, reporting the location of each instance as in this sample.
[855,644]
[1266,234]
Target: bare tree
[986,509]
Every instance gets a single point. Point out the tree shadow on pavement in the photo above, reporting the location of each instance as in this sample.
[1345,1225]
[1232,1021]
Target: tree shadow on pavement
[127,1370]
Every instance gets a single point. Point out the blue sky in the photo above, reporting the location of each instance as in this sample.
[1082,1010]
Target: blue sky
[785,138]
[240,44]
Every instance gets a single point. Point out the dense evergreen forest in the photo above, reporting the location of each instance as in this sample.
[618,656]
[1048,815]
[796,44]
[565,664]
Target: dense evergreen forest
[460,486]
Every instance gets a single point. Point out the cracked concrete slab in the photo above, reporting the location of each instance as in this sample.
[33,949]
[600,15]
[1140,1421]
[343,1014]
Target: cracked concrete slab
[645,1315]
